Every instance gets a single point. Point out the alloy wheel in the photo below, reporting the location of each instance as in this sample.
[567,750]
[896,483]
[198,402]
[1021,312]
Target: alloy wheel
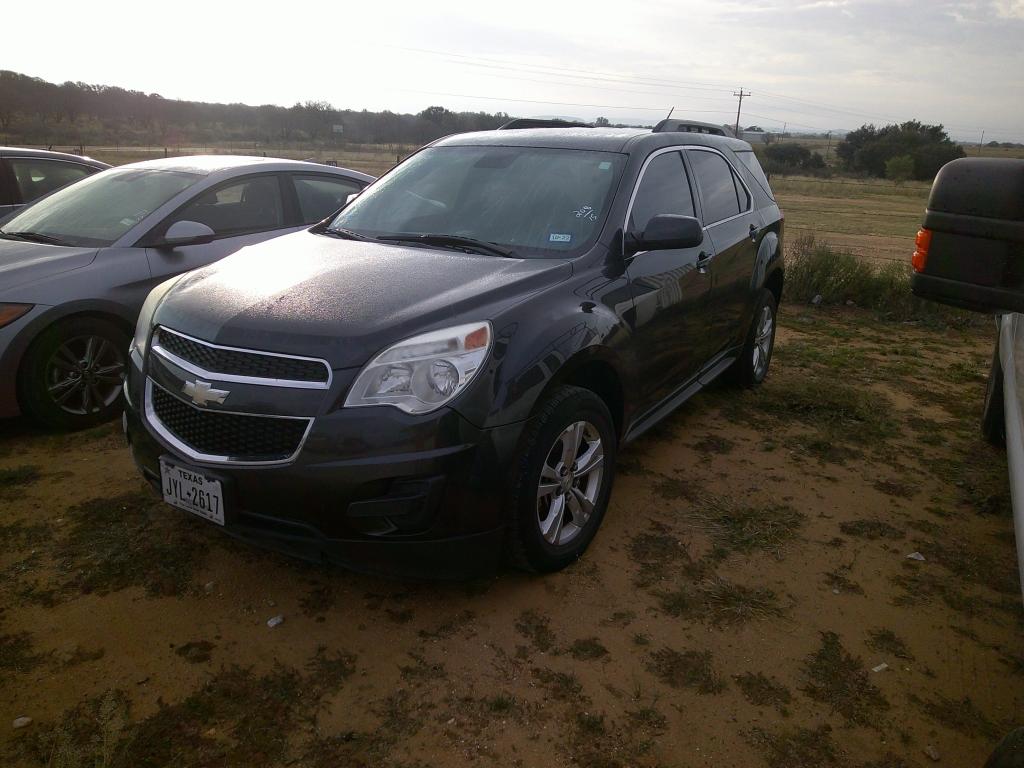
[570,481]
[84,375]
[763,341]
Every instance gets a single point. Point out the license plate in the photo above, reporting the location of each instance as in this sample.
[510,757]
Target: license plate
[192,491]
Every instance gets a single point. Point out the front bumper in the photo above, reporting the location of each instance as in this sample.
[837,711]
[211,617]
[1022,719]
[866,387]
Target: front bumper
[373,489]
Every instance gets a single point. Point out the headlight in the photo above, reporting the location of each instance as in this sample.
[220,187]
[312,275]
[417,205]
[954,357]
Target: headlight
[11,312]
[423,373]
[142,327]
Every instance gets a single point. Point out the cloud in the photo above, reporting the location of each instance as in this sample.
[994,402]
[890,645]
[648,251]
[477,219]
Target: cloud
[1009,9]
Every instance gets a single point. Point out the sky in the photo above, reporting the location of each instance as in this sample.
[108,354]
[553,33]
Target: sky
[808,64]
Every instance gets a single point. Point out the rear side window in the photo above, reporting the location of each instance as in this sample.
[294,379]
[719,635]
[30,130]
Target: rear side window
[38,177]
[664,188]
[252,204]
[722,196]
[749,159]
[320,196]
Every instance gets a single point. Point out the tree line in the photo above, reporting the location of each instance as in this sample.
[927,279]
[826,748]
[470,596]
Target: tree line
[34,111]
[910,150]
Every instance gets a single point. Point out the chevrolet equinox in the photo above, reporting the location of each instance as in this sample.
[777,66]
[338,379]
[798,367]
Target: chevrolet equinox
[444,371]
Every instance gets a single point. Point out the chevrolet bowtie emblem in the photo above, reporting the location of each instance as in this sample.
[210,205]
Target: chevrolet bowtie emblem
[202,392]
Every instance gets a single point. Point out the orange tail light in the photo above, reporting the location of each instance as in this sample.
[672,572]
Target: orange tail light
[921,243]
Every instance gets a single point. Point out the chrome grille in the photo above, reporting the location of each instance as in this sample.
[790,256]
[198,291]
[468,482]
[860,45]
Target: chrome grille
[230,362]
[218,435]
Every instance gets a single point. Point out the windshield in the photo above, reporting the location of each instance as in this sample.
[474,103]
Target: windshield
[527,200]
[98,210]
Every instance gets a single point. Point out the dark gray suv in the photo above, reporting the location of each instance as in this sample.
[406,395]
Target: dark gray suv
[445,371]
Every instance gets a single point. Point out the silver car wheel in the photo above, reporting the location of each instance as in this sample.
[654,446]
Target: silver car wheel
[763,341]
[84,375]
[570,481]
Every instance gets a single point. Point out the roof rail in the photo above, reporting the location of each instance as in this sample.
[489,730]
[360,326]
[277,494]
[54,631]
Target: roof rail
[691,126]
[532,122]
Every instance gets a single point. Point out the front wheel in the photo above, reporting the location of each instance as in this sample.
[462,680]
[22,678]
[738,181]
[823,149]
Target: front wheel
[562,482]
[751,366]
[72,374]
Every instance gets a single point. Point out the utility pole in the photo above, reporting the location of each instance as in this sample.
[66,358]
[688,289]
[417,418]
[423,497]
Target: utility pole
[981,143]
[739,106]
[828,146]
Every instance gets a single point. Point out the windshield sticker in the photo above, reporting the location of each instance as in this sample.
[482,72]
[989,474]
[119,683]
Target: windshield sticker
[604,165]
[586,212]
[558,238]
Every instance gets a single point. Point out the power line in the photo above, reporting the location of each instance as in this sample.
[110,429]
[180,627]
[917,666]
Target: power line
[606,78]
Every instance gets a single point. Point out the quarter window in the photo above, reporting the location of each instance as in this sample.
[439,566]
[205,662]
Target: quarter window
[721,193]
[664,188]
[249,205]
[38,177]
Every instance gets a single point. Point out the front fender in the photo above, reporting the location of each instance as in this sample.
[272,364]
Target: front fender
[533,350]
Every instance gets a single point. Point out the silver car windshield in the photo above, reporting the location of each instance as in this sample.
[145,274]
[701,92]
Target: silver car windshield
[529,201]
[98,210]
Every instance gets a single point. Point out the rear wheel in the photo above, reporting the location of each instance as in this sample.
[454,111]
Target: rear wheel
[993,418]
[563,481]
[751,367]
[72,374]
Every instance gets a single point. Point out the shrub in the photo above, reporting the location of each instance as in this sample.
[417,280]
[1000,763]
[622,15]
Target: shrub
[899,168]
[817,269]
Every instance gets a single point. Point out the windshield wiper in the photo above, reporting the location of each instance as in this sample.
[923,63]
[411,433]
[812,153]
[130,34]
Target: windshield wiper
[453,241]
[35,237]
[347,234]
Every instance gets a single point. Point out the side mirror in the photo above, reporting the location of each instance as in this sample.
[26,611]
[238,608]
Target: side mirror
[665,231]
[970,250]
[186,233]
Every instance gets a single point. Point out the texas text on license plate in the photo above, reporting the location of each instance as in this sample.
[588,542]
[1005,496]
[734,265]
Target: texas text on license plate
[192,491]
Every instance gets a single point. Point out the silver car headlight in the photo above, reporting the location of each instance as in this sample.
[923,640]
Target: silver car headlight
[423,373]
[142,326]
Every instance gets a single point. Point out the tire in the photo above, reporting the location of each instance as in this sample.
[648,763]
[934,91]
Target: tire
[751,367]
[71,376]
[536,541]
[993,420]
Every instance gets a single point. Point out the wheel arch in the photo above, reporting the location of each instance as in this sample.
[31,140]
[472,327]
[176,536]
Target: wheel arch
[594,369]
[769,271]
[108,311]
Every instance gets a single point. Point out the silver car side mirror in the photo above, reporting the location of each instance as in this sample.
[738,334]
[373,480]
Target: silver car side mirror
[187,233]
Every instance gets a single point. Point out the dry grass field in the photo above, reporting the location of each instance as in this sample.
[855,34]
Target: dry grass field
[874,218]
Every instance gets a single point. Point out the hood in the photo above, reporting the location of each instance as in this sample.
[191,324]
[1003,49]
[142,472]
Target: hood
[345,300]
[22,263]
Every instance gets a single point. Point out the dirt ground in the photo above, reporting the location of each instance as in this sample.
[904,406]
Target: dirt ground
[750,575]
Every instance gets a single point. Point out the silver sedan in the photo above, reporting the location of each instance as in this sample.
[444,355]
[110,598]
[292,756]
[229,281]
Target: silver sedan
[76,266]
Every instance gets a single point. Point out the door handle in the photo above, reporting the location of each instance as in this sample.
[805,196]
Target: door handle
[754,229]
[703,258]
